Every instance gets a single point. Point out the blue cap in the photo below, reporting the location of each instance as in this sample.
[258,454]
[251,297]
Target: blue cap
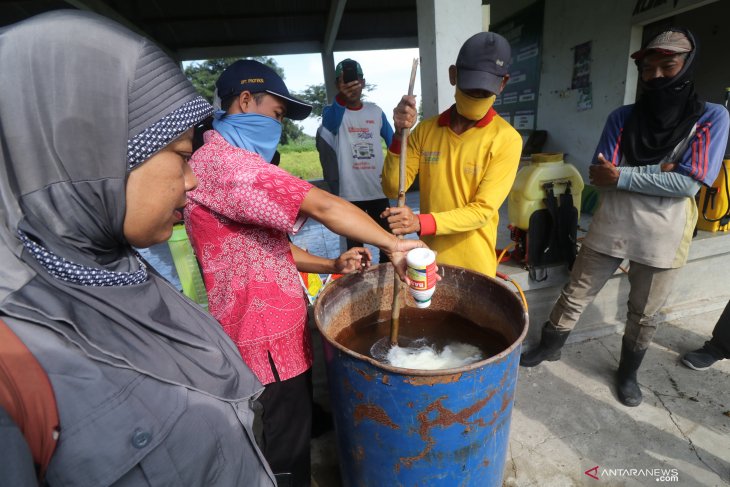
[253,76]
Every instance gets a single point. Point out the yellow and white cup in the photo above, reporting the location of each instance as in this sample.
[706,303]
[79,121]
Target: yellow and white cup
[421,273]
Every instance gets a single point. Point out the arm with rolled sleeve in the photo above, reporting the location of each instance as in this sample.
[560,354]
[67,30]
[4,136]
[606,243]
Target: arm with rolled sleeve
[244,188]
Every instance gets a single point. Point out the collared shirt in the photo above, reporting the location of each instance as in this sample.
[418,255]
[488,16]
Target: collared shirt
[238,219]
[464,179]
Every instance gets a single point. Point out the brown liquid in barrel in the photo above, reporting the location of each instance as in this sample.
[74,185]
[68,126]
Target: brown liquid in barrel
[439,327]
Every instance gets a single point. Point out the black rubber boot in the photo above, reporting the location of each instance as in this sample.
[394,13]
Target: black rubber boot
[551,341]
[626,384]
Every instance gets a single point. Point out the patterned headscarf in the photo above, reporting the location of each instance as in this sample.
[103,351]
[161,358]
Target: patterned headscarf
[158,135]
[84,101]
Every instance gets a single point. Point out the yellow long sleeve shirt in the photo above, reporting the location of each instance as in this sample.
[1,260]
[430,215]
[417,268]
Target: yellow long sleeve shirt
[464,179]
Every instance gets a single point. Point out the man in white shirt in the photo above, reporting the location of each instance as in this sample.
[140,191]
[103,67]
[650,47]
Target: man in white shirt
[356,128]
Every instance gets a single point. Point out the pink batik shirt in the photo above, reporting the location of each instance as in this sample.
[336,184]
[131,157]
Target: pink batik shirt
[237,220]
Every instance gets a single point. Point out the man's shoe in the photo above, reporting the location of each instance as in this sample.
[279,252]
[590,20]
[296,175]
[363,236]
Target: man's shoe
[551,341]
[627,385]
[700,359]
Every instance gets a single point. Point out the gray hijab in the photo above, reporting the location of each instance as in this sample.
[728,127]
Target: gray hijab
[83,102]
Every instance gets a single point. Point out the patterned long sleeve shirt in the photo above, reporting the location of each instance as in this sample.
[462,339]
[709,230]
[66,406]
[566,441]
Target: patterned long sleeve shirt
[238,219]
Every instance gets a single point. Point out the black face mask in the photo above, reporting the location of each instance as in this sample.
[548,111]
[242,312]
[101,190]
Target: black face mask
[657,84]
[664,114]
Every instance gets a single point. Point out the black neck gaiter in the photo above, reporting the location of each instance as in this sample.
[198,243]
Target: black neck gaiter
[663,116]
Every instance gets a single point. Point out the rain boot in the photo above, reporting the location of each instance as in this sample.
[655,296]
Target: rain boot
[551,341]
[626,385]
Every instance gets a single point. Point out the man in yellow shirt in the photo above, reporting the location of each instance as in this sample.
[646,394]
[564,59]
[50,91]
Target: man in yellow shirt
[466,157]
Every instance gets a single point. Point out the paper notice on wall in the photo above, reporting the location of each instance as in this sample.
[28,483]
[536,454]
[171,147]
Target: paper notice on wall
[524,120]
[523,31]
[581,66]
[585,98]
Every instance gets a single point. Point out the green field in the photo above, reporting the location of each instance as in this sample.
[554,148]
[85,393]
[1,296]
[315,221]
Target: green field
[304,165]
[301,159]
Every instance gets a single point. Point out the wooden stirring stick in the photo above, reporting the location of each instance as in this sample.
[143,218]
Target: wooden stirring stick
[397,285]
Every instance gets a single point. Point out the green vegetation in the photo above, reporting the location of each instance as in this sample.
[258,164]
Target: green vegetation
[304,165]
[304,143]
[300,158]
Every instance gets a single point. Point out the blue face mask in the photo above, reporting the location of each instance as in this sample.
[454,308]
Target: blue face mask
[250,131]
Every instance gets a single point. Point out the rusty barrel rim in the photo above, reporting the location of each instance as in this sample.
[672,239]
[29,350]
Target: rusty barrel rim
[420,372]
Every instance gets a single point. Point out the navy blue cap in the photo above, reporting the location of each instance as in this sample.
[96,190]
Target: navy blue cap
[253,76]
[483,62]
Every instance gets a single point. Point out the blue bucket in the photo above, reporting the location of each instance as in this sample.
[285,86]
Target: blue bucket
[408,427]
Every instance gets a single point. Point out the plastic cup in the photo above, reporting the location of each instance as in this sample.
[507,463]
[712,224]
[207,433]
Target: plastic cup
[422,275]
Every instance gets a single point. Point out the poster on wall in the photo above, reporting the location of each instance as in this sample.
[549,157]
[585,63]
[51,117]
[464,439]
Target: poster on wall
[582,75]
[585,98]
[524,120]
[581,66]
[518,102]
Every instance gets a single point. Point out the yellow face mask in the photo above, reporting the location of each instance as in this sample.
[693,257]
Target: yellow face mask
[472,108]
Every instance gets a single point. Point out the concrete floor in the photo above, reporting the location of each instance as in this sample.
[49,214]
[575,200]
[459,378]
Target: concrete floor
[566,418]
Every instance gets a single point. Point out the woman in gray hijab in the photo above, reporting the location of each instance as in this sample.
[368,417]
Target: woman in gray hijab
[94,140]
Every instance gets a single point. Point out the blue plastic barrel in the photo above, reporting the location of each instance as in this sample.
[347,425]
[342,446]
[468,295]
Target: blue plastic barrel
[410,427]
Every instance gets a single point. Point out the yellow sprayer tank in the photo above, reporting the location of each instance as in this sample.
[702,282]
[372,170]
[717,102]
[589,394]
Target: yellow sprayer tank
[714,202]
[713,206]
[528,194]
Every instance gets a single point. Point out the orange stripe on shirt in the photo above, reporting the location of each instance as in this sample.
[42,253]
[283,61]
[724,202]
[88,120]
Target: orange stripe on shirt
[614,157]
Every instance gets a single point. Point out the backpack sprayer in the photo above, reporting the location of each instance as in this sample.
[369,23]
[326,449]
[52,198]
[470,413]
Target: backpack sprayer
[543,208]
[714,210]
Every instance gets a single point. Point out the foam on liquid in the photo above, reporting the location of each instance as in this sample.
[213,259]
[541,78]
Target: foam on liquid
[421,355]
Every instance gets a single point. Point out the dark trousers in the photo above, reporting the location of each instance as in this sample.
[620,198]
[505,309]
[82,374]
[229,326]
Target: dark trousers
[720,341]
[373,208]
[287,425]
